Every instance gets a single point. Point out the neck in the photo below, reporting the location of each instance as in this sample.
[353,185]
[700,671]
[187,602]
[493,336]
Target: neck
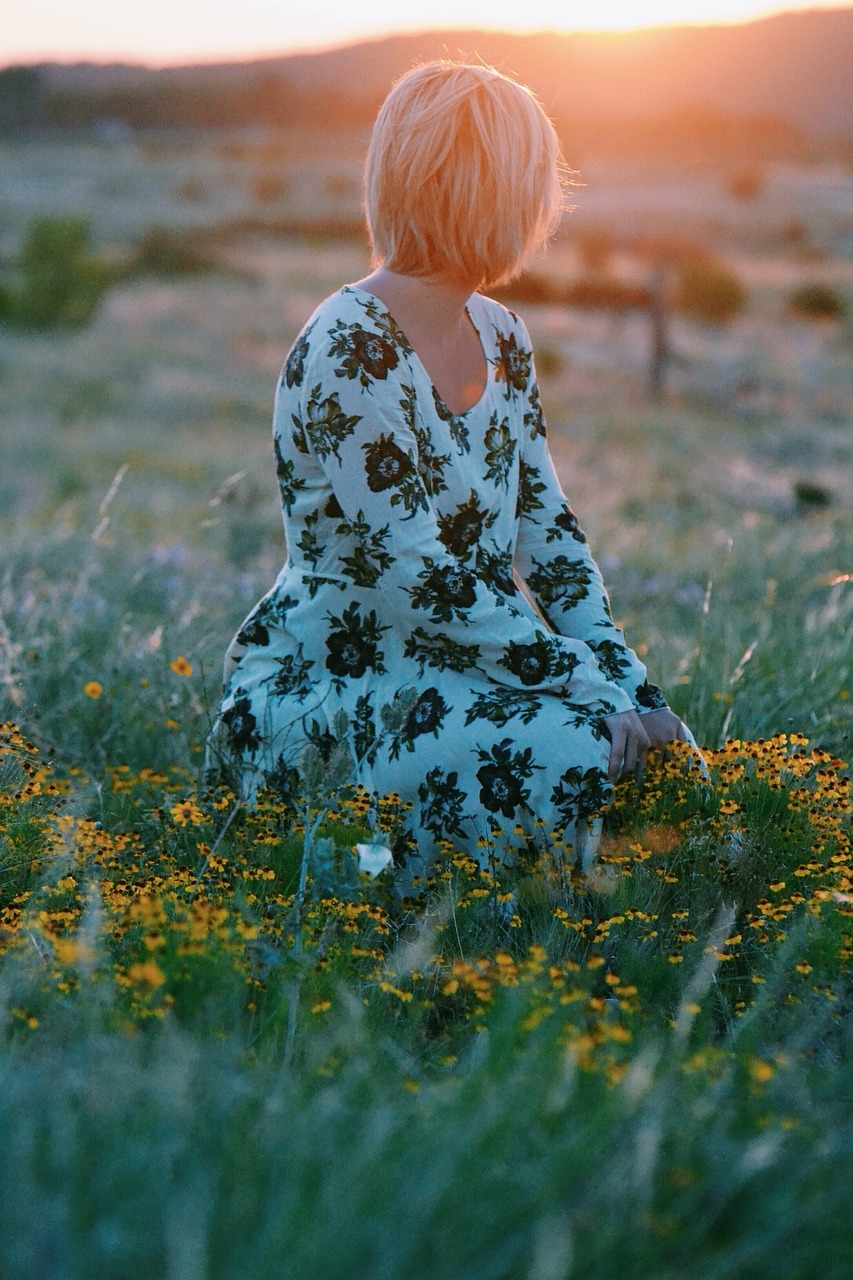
[439,301]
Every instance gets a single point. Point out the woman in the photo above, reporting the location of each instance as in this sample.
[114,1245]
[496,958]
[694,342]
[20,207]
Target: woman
[415,480]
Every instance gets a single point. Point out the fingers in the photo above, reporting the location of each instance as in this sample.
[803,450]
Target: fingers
[635,753]
[662,726]
[617,753]
[629,747]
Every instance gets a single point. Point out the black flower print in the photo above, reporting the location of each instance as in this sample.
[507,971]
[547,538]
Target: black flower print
[442,802]
[370,558]
[386,464]
[538,662]
[463,529]
[534,418]
[320,736]
[565,521]
[530,487]
[431,465]
[362,353]
[530,662]
[590,715]
[501,705]
[562,581]
[649,697]
[294,369]
[325,424]
[289,483]
[283,779]
[611,657]
[408,403]
[581,795]
[253,632]
[440,652]
[456,424]
[460,435]
[389,467]
[385,323]
[447,590]
[365,735]
[292,677]
[269,613]
[332,508]
[500,450]
[353,644]
[495,569]
[426,716]
[298,438]
[512,365]
[309,541]
[501,778]
[241,725]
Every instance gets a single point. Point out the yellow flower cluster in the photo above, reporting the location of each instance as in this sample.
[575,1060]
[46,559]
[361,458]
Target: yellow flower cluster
[166,905]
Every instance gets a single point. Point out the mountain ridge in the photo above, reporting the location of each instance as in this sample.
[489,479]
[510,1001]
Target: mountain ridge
[792,67]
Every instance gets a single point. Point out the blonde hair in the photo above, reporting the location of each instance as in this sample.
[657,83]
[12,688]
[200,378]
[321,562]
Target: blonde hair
[463,175]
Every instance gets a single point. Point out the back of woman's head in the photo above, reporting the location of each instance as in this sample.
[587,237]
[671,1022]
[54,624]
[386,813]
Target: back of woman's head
[463,175]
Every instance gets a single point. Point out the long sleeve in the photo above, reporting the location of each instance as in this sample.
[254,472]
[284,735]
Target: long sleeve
[553,558]
[348,403]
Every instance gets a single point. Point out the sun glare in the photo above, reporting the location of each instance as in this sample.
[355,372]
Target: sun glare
[198,31]
[608,15]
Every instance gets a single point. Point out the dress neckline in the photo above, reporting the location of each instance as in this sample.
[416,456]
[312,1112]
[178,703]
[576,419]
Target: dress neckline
[448,412]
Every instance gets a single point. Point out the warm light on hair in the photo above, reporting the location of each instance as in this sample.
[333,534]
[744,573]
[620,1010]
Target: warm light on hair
[463,175]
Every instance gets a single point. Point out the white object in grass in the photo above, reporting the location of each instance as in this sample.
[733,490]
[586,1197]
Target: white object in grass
[373,858]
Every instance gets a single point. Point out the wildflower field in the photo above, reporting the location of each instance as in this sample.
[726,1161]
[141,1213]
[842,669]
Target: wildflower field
[227,1050]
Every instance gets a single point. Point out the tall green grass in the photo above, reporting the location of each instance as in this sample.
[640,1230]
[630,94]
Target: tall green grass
[469,1139]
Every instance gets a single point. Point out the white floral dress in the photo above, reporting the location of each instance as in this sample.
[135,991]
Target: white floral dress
[405,524]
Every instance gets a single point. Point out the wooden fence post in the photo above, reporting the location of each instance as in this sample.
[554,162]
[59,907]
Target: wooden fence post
[660,352]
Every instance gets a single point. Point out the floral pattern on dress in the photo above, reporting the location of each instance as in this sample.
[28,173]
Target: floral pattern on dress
[407,527]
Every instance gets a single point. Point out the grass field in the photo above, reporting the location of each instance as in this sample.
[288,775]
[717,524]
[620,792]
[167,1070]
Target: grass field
[209,1073]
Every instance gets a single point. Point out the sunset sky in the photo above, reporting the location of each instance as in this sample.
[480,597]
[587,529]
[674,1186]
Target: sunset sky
[168,31]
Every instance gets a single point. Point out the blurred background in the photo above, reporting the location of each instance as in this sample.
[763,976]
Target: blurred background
[166,230]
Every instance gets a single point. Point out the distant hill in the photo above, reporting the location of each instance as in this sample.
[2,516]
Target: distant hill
[788,76]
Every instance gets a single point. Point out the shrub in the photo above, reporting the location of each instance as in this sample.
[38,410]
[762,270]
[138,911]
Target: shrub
[590,293]
[267,187]
[817,301]
[595,248]
[745,184]
[605,294]
[709,292]
[162,252]
[529,287]
[60,282]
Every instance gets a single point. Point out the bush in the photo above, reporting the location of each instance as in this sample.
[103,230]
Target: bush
[268,187]
[595,248]
[709,292]
[745,184]
[605,294]
[162,252]
[60,281]
[817,302]
[589,293]
[529,287]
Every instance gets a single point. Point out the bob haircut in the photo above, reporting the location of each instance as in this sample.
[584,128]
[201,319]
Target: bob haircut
[463,175]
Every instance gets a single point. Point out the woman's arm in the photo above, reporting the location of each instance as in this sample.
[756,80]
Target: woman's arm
[553,557]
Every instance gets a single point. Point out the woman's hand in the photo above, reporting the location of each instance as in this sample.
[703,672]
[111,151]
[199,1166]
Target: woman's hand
[632,736]
[629,744]
[663,727]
